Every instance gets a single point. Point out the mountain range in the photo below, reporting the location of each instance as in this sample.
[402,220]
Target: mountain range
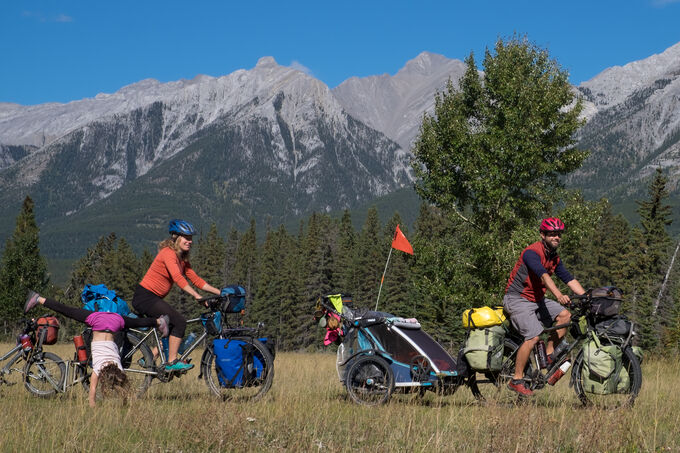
[273,143]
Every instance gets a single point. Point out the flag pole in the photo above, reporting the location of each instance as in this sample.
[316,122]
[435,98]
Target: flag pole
[382,280]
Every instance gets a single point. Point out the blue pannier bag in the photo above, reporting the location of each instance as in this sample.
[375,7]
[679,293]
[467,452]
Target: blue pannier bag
[101,298]
[238,364]
[236,298]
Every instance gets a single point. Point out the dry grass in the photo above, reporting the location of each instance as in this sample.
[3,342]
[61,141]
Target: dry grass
[307,410]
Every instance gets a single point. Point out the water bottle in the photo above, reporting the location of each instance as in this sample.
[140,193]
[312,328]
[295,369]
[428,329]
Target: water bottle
[166,350]
[188,341]
[559,372]
[560,349]
[26,343]
[541,355]
[81,352]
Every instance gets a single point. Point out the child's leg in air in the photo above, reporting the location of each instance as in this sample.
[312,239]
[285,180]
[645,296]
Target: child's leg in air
[79,314]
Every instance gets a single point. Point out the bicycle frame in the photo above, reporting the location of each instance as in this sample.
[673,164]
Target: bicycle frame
[7,369]
[152,334]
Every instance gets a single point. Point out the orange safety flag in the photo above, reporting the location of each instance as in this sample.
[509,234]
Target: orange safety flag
[401,243]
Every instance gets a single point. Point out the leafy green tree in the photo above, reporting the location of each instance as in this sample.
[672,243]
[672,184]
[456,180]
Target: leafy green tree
[22,267]
[494,149]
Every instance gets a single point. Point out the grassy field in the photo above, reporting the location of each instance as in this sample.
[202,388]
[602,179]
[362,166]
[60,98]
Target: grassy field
[307,410]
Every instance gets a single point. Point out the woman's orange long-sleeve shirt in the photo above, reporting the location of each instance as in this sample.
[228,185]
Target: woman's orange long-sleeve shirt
[167,269]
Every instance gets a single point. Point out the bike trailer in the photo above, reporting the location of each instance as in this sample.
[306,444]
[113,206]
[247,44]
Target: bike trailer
[49,327]
[414,357]
[238,364]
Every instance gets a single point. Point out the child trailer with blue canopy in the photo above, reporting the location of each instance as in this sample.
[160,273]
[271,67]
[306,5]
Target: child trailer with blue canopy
[379,353]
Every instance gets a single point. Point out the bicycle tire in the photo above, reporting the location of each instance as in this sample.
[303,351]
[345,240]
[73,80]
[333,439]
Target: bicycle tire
[369,380]
[254,389]
[44,374]
[626,398]
[135,360]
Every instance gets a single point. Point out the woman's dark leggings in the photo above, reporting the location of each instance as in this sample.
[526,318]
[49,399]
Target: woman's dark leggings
[80,314]
[149,304]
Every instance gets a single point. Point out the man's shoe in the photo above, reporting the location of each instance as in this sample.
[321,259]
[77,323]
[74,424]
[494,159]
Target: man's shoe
[517,385]
[178,365]
[163,326]
[31,300]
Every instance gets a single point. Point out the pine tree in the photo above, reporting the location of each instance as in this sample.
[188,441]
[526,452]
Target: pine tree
[369,260]
[245,267]
[654,254]
[344,276]
[88,269]
[396,291]
[230,250]
[121,270]
[208,261]
[22,267]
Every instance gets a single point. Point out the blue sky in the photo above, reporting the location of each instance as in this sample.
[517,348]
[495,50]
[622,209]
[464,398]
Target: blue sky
[64,50]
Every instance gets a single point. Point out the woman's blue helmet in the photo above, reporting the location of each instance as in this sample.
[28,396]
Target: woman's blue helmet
[179,226]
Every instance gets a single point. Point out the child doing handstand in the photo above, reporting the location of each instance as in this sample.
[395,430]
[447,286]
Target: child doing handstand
[106,364]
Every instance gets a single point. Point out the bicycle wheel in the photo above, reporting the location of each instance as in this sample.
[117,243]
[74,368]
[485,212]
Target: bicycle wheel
[250,380]
[137,360]
[630,382]
[369,380]
[44,374]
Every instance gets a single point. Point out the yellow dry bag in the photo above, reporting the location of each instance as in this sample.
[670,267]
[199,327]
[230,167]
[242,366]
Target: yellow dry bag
[479,318]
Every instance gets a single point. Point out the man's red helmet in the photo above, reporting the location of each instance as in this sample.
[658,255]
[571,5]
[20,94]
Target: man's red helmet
[551,224]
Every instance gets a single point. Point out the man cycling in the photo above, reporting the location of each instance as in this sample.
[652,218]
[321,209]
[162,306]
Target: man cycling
[525,300]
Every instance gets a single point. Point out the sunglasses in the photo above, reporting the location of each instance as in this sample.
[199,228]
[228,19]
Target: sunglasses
[554,233]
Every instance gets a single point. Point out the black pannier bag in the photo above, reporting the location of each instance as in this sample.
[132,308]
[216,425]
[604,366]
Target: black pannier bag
[605,301]
[618,326]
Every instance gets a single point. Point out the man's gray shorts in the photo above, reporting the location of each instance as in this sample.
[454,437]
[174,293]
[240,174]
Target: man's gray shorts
[530,318]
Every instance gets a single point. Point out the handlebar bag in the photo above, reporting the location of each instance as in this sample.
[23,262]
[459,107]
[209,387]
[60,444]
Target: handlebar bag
[606,301]
[48,326]
[236,298]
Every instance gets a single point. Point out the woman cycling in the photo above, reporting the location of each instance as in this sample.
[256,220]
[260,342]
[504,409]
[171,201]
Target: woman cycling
[171,265]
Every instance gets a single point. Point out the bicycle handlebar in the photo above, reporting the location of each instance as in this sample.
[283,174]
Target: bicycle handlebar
[213,301]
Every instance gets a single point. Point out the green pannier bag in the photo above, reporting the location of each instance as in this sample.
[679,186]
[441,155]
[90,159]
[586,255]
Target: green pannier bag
[484,348]
[603,372]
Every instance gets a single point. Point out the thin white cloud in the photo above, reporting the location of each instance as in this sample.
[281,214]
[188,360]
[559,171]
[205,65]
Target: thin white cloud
[300,67]
[63,18]
[41,17]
